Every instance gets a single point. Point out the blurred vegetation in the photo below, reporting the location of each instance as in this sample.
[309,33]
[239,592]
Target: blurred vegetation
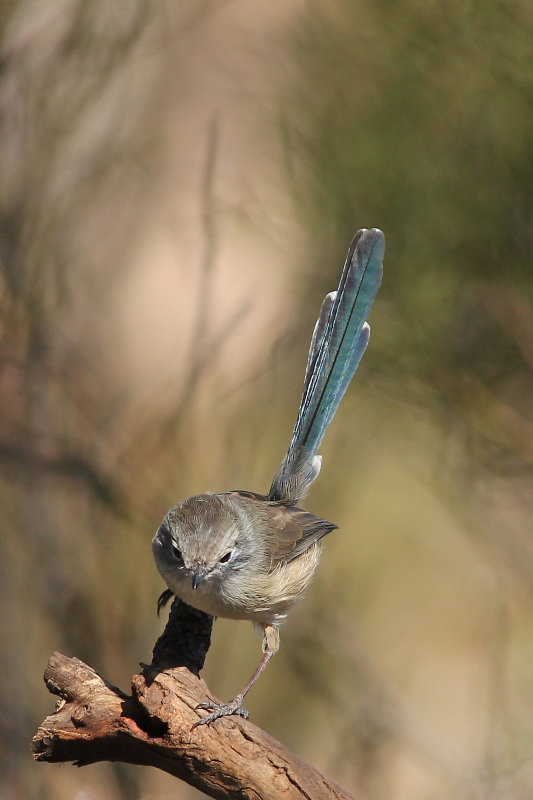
[405,671]
[418,118]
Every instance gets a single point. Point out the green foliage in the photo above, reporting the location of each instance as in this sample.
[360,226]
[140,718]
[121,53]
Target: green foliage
[417,117]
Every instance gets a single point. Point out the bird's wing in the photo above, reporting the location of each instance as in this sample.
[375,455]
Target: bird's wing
[291,530]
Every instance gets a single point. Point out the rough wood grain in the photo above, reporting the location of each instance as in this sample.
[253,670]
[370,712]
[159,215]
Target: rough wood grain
[232,758]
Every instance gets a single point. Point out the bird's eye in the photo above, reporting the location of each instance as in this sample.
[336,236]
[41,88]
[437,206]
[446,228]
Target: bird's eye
[225,558]
[177,553]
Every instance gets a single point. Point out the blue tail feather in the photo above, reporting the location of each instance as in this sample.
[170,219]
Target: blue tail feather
[339,341]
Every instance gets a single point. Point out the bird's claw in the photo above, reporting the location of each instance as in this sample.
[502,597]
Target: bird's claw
[221,710]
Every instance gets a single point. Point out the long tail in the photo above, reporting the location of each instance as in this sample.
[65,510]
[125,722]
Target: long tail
[339,340]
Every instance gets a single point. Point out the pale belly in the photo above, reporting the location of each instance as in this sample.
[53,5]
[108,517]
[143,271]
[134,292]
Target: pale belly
[204,598]
[265,599]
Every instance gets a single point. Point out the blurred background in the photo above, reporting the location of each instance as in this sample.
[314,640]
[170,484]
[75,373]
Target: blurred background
[179,186]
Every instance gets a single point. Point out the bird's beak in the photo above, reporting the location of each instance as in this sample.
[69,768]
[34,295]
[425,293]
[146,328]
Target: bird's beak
[197,578]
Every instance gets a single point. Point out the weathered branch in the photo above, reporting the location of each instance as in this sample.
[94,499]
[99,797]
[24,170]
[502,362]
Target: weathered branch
[95,721]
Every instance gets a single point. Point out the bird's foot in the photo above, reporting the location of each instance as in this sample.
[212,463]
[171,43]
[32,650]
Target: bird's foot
[218,710]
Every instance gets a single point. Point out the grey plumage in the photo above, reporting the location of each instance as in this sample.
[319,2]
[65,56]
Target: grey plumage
[243,555]
[215,537]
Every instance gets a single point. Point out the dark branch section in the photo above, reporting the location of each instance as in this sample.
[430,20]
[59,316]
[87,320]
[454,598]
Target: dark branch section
[94,721]
[185,640]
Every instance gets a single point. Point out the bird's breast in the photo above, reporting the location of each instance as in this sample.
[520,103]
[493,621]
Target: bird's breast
[250,593]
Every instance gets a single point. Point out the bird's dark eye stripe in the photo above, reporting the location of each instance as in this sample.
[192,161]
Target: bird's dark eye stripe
[225,558]
[176,552]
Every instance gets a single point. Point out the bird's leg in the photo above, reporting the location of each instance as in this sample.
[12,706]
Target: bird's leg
[234,707]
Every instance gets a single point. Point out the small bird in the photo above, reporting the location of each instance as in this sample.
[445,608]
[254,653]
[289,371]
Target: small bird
[242,555]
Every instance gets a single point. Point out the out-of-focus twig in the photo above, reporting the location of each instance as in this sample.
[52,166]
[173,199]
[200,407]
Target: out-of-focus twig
[68,465]
[206,343]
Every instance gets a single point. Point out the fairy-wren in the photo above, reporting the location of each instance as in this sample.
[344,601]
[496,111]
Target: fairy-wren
[242,555]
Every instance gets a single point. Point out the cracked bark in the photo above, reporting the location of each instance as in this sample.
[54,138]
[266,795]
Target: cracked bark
[232,758]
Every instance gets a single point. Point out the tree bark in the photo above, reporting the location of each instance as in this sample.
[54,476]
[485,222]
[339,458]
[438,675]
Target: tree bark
[231,758]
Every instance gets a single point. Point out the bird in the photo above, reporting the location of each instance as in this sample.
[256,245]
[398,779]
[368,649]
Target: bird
[247,556]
